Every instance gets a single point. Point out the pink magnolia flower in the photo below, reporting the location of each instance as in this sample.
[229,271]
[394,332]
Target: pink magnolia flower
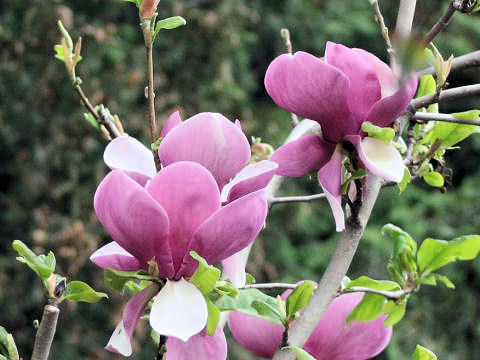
[179,210]
[340,91]
[332,339]
[211,140]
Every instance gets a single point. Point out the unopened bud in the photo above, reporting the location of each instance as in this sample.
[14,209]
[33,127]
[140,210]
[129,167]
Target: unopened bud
[148,8]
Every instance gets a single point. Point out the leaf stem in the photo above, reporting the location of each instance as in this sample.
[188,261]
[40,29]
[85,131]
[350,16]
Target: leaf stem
[290,199]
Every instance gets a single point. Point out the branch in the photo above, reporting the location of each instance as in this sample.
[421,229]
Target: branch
[440,25]
[289,199]
[405,16]
[285,33]
[390,295]
[45,332]
[459,63]
[337,268]
[423,116]
[270,286]
[450,94]
[383,27]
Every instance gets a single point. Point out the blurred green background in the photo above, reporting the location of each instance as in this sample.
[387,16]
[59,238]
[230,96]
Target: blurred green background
[51,159]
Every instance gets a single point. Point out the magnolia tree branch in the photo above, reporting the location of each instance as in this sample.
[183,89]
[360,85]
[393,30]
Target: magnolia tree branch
[450,94]
[459,63]
[440,25]
[383,27]
[289,199]
[270,286]
[423,116]
[406,11]
[390,295]
[45,332]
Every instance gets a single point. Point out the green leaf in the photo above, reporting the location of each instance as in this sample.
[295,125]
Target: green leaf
[434,178]
[91,120]
[213,317]
[400,145]
[395,312]
[368,309]
[205,276]
[382,285]
[65,34]
[226,288]
[431,279]
[299,298]
[168,24]
[385,134]
[268,312]
[59,53]
[427,86]
[300,353]
[434,254]
[422,353]
[450,133]
[358,174]
[244,302]
[467,115]
[7,345]
[402,240]
[43,265]
[250,279]
[116,279]
[80,291]
[407,178]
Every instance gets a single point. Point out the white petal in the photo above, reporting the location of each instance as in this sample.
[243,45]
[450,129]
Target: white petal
[234,267]
[120,341]
[381,159]
[127,153]
[179,310]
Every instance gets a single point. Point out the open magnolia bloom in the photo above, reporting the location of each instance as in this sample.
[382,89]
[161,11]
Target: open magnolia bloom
[154,228]
[340,91]
[211,140]
[332,339]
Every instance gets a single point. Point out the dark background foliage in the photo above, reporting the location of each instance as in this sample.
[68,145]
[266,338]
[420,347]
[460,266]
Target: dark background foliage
[51,159]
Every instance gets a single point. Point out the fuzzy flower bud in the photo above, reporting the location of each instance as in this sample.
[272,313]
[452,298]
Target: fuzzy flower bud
[148,8]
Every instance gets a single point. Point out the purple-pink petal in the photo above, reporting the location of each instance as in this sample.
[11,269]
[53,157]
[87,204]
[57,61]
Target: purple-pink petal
[229,230]
[211,140]
[330,177]
[309,87]
[256,335]
[364,89]
[199,347]
[113,256]
[333,339]
[302,156]
[134,220]
[189,195]
[387,110]
[251,178]
[173,120]
[120,341]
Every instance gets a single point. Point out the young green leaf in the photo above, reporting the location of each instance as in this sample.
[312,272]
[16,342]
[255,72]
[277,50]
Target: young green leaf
[168,24]
[205,276]
[250,279]
[268,312]
[301,354]
[422,353]
[80,291]
[427,86]
[299,298]
[450,133]
[407,178]
[434,178]
[116,279]
[226,288]
[395,311]
[7,345]
[368,309]
[385,134]
[43,265]
[467,115]
[431,279]
[213,317]
[382,285]
[402,241]
[434,254]
[358,174]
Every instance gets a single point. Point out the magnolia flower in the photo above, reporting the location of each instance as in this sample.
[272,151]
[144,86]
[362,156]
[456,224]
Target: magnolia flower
[332,339]
[340,91]
[211,140]
[148,8]
[154,228]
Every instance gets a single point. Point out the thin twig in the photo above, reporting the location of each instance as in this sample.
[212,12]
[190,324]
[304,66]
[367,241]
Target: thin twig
[450,94]
[289,199]
[423,116]
[285,33]
[440,25]
[104,119]
[45,332]
[390,295]
[459,63]
[270,286]
[383,27]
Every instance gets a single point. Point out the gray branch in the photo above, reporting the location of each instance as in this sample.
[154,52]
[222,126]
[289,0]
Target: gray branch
[459,63]
[450,94]
[289,199]
[423,116]
[45,333]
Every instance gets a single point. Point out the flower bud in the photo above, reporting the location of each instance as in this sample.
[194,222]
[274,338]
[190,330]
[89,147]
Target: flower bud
[148,8]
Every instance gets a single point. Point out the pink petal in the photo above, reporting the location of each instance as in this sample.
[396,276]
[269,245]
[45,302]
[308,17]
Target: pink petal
[379,157]
[228,231]
[211,140]
[234,267]
[189,195]
[330,177]
[120,341]
[205,347]
[364,88]
[332,339]
[309,87]
[302,156]
[388,109]
[128,154]
[251,178]
[173,120]
[134,220]
[113,256]
[256,335]
[388,80]
[179,310]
